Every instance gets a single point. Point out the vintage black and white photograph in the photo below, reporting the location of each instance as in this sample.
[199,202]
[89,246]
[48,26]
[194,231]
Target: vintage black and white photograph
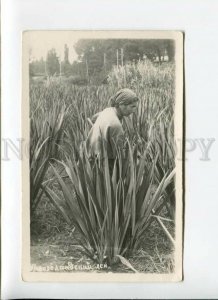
[102,181]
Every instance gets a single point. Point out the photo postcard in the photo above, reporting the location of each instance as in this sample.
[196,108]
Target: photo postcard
[102,175]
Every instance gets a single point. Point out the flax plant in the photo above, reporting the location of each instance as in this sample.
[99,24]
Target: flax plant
[111,211]
[45,135]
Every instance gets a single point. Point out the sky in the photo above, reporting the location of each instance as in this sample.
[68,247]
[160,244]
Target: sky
[39,43]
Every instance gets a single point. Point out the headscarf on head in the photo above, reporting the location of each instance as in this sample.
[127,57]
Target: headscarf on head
[123,96]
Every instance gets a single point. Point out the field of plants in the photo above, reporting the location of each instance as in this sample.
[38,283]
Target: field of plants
[82,214]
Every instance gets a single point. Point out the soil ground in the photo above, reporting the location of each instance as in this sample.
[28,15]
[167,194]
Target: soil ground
[55,247]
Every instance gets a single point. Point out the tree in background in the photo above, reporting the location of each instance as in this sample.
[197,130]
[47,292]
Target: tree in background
[97,57]
[170,47]
[66,66]
[37,67]
[66,54]
[52,63]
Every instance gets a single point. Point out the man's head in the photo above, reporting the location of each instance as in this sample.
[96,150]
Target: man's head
[125,101]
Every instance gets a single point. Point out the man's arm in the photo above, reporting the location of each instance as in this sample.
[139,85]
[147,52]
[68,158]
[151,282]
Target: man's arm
[116,138]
